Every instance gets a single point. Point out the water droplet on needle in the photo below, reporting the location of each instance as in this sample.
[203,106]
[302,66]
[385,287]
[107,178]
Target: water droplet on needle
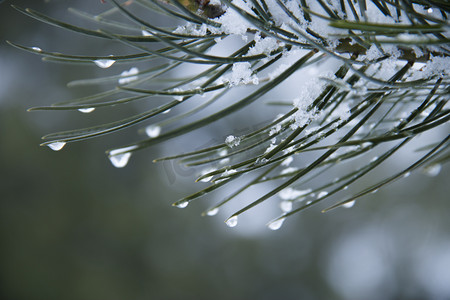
[153,131]
[182,204]
[212,212]
[232,222]
[87,110]
[120,157]
[104,63]
[275,225]
[56,146]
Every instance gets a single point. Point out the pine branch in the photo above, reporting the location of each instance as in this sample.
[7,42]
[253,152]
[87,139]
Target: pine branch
[391,85]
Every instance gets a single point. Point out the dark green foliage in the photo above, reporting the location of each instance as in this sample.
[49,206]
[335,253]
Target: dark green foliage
[390,86]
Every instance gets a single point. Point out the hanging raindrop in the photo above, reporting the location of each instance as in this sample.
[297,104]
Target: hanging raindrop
[286,205]
[86,110]
[432,170]
[182,204]
[56,146]
[120,160]
[275,225]
[213,211]
[232,222]
[206,171]
[153,131]
[120,157]
[322,194]
[349,204]
[104,63]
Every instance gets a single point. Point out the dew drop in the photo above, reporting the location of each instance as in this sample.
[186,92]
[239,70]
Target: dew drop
[288,170]
[56,146]
[36,49]
[145,33]
[206,171]
[432,170]
[120,160]
[374,191]
[86,110]
[128,76]
[182,204]
[430,10]
[224,161]
[275,225]
[104,63]
[290,193]
[223,152]
[349,204]
[212,212]
[231,222]
[153,131]
[166,111]
[178,98]
[407,174]
[120,157]
[286,206]
[206,179]
[322,194]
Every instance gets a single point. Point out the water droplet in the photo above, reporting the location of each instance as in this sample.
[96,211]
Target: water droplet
[430,10]
[86,110]
[153,131]
[432,170]
[286,206]
[223,152]
[36,49]
[224,161]
[56,146]
[322,194]
[178,98]
[374,159]
[120,160]
[212,212]
[206,179]
[129,76]
[407,174]
[374,191]
[182,204]
[120,157]
[145,33]
[288,170]
[345,187]
[231,222]
[290,193]
[261,161]
[275,225]
[349,204]
[166,111]
[206,171]
[104,63]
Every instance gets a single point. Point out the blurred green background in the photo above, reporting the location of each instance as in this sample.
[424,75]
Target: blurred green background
[74,227]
